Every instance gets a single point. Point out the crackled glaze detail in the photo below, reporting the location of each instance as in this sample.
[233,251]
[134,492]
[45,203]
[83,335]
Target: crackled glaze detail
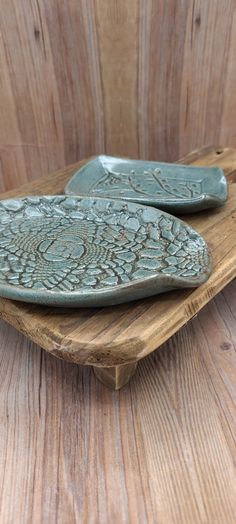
[171,187]
[66,244]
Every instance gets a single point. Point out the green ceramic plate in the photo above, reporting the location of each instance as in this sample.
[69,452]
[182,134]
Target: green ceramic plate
[70,251]
[171,187]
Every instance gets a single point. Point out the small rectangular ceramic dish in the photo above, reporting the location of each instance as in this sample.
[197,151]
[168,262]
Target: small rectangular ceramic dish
[171,187]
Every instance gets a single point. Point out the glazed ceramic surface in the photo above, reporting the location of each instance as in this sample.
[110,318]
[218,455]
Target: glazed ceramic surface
[171,187]
[70,251]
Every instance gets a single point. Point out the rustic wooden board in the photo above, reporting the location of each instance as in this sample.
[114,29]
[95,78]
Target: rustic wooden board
[143,78]
[124,334]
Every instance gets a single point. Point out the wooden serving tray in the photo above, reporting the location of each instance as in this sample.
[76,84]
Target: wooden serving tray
[113,339]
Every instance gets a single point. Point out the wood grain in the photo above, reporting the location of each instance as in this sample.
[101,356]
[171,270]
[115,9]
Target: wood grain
[124,334]
[160,450]
[143,78]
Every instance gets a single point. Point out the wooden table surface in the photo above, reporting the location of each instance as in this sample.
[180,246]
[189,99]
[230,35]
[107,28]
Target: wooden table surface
[161,450]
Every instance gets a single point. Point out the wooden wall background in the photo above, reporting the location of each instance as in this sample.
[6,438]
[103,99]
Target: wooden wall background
[142,78]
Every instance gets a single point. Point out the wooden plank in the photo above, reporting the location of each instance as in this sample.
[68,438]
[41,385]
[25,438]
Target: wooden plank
[160,450]
[124,334]
[117,29]
[142,78]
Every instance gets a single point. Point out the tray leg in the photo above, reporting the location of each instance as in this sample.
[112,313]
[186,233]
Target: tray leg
[117,376]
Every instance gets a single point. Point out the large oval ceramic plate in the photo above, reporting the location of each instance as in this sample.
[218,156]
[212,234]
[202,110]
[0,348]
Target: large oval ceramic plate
[172,187]
[69,251]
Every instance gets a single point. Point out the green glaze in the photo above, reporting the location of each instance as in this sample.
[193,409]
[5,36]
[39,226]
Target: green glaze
[172,187]
[71,251]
